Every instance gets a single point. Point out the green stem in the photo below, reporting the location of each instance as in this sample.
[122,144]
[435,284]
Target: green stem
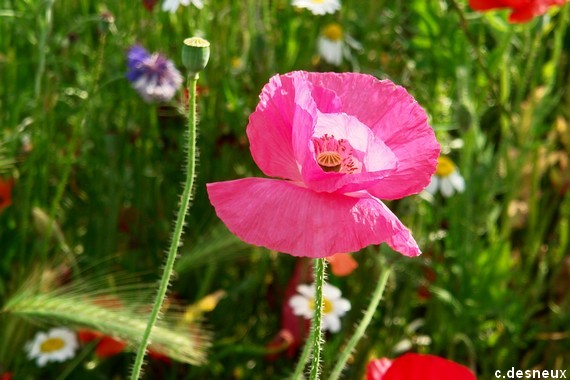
[316,334]
[464,25]
[304,357]
[184,205]
[527,79]
[42,49]
[559,34]
[359,332]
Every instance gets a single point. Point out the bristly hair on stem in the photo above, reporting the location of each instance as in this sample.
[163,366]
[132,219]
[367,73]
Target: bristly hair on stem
[185,198]
[366,319]
[314,341]
[316,334]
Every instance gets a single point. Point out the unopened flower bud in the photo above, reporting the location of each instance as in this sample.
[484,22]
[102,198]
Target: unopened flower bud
[195,54]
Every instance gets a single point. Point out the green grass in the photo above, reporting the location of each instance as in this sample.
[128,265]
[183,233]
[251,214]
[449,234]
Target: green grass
[105,172]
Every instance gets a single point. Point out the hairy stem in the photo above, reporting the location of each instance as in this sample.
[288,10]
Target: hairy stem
[366,319]
[184,205]
[316,334]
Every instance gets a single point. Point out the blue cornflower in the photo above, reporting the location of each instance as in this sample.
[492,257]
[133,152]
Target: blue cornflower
[155,77]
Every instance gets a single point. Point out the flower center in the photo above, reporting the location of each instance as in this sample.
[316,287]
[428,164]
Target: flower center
[333,32]
[317,1]
[155,65]
[51,345]
[327,305]
[334,155]
[444,166]
[329,161]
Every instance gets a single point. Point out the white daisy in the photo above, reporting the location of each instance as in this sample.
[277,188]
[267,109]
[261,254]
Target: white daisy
[318,7]
[330,44]
[57,345]
[446,178]
[334,306]
[172,5]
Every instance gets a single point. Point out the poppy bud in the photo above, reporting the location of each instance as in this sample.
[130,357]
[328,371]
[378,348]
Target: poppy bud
[195,54]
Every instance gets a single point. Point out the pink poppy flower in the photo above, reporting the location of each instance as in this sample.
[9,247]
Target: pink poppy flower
[417,367]
[340,143]
[521,10]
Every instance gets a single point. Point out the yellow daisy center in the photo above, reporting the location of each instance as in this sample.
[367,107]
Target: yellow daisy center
[317,1]
[444,166]
[51,345]
[333,32]
[236,62]
[327,305]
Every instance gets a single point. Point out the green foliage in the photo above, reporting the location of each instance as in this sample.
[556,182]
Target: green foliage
[104,170]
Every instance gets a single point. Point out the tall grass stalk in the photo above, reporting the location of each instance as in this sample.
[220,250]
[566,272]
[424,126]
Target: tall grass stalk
[359,332]
[175,243]
[307,349]
[186,344]
[42,47]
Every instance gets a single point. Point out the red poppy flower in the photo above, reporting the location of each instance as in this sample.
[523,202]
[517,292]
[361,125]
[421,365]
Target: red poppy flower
[429,278]
[342,264]
[522,10]
[282,341]
[417,367]
[149,4]
[159,356]
[106,347]
[5,193]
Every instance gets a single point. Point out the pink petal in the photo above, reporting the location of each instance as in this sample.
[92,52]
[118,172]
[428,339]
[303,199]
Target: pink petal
[396,119]
[360,137]
[288,218]
[379,160]
[280,128]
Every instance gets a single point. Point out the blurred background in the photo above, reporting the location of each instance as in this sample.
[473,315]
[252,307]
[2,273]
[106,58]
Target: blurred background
[90,176]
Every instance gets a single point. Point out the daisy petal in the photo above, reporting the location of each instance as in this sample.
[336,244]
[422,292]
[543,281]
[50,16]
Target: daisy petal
[331,292]
[342,306]
[446,187]
[170,5]
[259,212]
[457,181]
[306,290]
[331,323]
[300,306]
[433,185]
